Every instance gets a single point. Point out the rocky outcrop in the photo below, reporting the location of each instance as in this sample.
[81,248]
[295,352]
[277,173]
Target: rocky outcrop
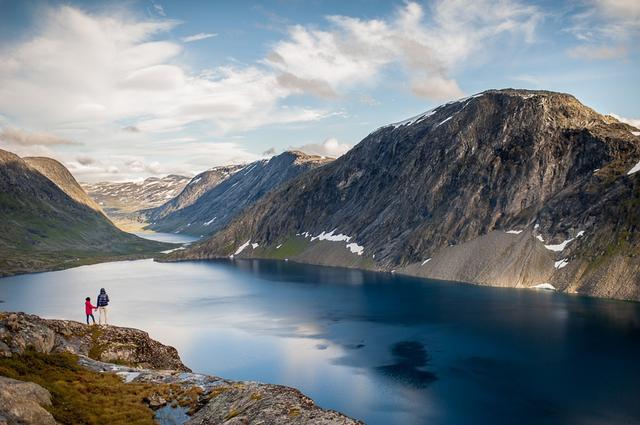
[24,403]
[20,332]
[507,188]
[216,207]
[220,401]
[42,227]
[207,399]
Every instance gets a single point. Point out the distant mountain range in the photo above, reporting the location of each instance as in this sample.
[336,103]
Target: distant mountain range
[508,187]
[127,197]
[214,198]
[48,222]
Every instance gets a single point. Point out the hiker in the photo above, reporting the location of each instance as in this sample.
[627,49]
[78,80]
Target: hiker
[103,302]
[88,309]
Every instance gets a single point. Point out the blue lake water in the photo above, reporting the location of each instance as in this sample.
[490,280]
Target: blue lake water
[382,348]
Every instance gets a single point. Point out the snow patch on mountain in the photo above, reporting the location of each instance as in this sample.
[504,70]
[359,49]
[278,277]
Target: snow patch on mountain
[561,246]
[242,247]
[545,286]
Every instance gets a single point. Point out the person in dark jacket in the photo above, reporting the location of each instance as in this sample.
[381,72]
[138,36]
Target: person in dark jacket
[102,303]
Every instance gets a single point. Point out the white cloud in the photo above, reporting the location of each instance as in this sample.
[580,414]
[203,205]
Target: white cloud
[355,51]
[16,136]
[592,52]
[159,9]
[631,121]
[198,37]
[330,147]
[92,70]
[606,28]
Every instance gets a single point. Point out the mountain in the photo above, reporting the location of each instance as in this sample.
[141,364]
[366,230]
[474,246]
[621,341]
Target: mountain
[58,173]
[239,189]
[508,187]
[200,184]
[46,222]
[126,197]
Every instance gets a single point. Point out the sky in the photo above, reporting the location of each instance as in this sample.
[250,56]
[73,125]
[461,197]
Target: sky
[123,90]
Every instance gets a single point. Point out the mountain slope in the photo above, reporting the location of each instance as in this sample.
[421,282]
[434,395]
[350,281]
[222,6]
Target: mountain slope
[58,173]
[200,184]
[216,207]
[127,197]
[42,227]
[508,187]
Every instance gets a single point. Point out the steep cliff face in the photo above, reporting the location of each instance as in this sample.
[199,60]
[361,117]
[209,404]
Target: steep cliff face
[507,187]
[216,207]
[42,227]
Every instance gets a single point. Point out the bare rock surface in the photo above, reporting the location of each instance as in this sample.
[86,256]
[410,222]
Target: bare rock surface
[455,184]
[221,401]
[19,332]
[209,399]
[22,403]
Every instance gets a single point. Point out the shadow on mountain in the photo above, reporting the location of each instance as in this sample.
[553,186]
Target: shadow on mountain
[409,357]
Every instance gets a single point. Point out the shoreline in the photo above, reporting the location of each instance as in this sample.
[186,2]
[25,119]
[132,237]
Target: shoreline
[128,358]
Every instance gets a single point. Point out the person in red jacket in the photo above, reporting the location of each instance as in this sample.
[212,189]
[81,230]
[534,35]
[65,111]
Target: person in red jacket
[88,309]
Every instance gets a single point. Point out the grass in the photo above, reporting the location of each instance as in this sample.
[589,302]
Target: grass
[289,249]
[80,396]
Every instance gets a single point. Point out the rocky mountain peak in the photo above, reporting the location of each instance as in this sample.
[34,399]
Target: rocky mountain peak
[500,160]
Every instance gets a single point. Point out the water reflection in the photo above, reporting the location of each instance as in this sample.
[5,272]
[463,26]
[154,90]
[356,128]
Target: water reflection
[409,357]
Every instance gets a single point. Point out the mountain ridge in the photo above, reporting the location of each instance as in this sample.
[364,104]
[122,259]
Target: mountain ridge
[230,194]
[42,227]
[536,162]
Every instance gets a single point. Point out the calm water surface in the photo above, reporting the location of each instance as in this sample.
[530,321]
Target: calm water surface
[385,349]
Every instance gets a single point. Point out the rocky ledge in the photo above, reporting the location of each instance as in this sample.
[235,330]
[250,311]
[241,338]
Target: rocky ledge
[172,391]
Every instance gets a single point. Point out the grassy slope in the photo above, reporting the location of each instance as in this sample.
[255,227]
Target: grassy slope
[80,396]
[42,228]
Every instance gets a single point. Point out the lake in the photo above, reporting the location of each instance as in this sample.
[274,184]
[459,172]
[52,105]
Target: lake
[379,347]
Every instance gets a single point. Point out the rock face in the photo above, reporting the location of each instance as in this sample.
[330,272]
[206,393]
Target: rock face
[42,227]
[211,400]
[221,401]
[19,332]
[127,197]
[214,208]
[23,403]
[507,187]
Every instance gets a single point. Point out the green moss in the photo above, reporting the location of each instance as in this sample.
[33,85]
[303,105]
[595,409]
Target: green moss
[293,246]
[80,396]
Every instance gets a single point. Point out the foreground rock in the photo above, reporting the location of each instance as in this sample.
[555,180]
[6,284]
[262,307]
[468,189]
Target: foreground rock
[19,332]
[205,399]
[23,403]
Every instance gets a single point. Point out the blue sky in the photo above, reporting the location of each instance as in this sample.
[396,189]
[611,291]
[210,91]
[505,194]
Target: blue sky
[124,90]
